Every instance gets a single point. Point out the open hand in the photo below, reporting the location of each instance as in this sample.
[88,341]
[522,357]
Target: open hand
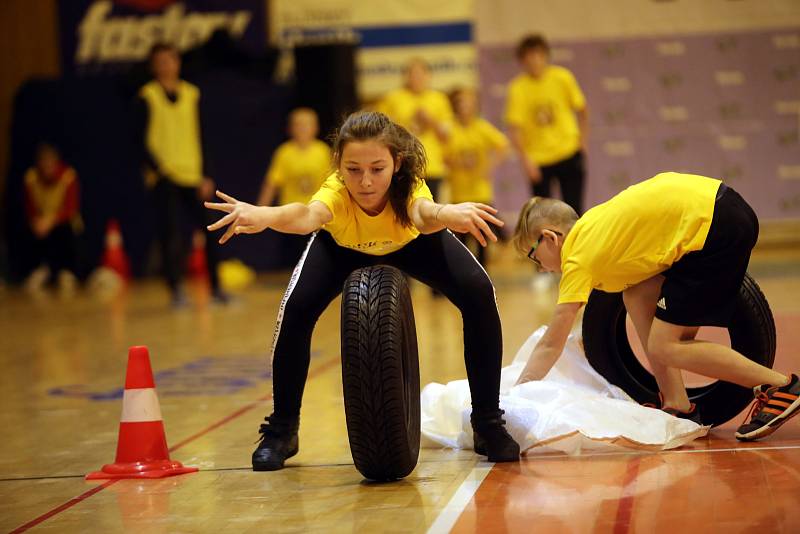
[470,217]
[242,218]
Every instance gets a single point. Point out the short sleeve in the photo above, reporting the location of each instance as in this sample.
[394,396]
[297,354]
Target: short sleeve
[576,98]
[494,137]
[276,174]
[576,283]
[444,111]
[331,193]
[515,105]
[421,191]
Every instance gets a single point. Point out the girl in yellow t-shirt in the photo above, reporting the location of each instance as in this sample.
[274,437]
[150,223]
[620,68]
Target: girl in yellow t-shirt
[376,210]
[474,147]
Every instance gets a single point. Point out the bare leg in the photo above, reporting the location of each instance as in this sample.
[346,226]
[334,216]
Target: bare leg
[640,302]
[667,343]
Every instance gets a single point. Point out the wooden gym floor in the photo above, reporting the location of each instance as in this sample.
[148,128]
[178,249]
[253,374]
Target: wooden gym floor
[64,365]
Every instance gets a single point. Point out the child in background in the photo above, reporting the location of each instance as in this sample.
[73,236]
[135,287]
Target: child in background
[375,209]
[52,203]
[424,112]
[300,165]
[474,148]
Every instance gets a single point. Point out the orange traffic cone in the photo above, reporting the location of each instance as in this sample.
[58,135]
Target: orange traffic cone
[114,257]
[142,446]
[196,262]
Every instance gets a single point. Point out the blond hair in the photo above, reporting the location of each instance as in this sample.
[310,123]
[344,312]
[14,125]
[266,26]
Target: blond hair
[539,213]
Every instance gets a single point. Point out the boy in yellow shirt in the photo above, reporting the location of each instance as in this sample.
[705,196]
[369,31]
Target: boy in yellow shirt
[677,247]
[375,209]
[547,120]
[474,147]
[424,112]
[300,165]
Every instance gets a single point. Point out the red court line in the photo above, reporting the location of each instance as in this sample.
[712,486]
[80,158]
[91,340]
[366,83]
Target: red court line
[625,508]
[69,504]
[227,419]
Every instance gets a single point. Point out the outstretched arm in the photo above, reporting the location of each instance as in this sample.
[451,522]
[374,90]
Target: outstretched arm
[244,218]
[471,217]
[552,343]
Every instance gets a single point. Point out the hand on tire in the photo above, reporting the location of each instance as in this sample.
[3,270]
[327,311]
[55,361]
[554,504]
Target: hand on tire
[471,217]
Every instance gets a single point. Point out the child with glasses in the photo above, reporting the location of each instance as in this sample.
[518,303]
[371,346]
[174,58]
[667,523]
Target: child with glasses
[677,247]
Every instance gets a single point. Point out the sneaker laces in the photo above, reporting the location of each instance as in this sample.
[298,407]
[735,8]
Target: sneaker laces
[273,428]
[761,400]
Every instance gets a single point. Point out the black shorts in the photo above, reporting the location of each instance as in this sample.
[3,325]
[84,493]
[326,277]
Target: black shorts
[701,288]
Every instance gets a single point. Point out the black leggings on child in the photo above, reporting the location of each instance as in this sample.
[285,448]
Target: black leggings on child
[438,260]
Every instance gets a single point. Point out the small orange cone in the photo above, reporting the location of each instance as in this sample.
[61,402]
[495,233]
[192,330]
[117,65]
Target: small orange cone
[142,445]
[114,257]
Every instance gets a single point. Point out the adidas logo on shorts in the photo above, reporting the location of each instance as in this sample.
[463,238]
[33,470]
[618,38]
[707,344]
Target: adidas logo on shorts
[662,303]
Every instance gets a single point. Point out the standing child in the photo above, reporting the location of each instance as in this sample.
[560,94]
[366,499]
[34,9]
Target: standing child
[300,165]
[424,112]
[677,247]
[474,148]
[375,209]
[298,168]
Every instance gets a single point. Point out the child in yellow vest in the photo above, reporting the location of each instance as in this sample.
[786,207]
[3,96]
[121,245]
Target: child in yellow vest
[375,209]
[174,165]
[475,146]
[677,247]
[52,205]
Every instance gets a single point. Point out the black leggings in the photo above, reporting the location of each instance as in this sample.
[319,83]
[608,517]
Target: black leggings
[438,260]
[170,198]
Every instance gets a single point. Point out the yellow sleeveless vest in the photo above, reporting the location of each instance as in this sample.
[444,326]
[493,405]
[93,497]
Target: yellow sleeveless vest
[173,132]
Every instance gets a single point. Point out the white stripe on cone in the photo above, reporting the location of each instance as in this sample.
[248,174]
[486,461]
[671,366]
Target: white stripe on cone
[140,405]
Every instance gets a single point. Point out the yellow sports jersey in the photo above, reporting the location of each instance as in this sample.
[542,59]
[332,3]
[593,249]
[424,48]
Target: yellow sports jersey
[544,109]
[173,132]
[637,234]
[402,105]
[468,154]
[352,228]
[299,172]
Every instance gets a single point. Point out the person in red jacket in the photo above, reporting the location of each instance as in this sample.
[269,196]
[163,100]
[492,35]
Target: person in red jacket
[52,206]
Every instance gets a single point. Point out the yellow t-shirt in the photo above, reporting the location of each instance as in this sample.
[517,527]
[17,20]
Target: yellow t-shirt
[468,151]
[637,234]
[401,106]
[173,132]
[352,228]
[299,172]
[544,108]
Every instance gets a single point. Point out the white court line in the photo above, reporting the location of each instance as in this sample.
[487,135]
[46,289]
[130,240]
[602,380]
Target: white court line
[647,453]
[452,511]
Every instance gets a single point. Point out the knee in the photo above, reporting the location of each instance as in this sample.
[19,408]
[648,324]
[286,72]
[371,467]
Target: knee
[477,292]
[662,351]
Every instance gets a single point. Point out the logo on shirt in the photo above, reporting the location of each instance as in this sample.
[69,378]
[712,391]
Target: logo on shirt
[662,303]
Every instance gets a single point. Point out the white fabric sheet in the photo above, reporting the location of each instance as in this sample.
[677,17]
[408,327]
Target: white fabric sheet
[573,409]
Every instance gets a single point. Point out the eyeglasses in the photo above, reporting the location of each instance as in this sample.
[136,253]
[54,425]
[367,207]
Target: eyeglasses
[532,251]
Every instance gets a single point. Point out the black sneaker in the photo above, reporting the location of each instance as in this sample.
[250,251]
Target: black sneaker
[773,406]
[277,443]
[492,440]
[692,414]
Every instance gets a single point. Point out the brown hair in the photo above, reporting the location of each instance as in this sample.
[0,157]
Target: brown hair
[366,125]
[159,47]
[538,213]
[531,42]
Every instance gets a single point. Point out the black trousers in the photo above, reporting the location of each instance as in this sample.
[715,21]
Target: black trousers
[438,260]
[57,250]
[570,175]
[171,199]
